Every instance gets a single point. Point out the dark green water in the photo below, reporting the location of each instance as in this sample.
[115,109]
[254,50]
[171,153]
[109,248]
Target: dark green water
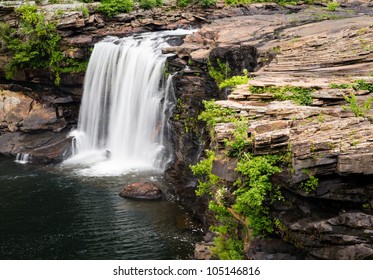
[48,212]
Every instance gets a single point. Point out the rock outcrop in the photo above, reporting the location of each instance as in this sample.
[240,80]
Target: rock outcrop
[142,190]
[330,138]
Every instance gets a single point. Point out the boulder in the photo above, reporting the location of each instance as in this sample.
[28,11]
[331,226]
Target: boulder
[142,190]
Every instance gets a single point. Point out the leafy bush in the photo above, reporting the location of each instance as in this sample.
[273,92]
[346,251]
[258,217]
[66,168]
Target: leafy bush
[114,7]
[219,72]
[207,3]
[148,4]
[301,96]
[255,190]
[310,185]
[36,44]
[235,80]
[332,6]
[203,170]
[359,111]
[215,113]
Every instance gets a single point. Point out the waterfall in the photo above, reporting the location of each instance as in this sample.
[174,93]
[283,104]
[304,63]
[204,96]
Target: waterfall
[23,158]
[123,116]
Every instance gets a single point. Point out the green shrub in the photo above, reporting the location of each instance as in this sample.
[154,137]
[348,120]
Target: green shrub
[36,44]
[114,7]
[310,185]
[215,113]
[149,4]
[183,3]
[359,111]
[332,6]
[220,72]
[203,170]
[207,3]
[301,96]
[255,191]
[235,80]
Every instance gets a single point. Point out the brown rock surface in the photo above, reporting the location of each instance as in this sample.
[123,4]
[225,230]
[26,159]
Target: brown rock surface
[142,190]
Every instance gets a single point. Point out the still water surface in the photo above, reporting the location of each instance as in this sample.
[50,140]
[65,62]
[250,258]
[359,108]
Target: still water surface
[49,212]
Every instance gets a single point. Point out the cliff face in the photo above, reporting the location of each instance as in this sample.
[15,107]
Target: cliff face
[328,139]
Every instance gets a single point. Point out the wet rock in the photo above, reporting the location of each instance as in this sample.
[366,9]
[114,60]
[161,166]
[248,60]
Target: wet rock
[142,190]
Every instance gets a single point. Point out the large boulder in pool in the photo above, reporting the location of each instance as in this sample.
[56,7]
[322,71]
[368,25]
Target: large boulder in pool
[142,190]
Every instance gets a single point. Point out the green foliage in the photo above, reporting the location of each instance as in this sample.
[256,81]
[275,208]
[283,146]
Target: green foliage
[227,245]
[301,96]
[363,85]
[215,113]
[183,3]
[310,185]
[207,3]
[114,7]
[255,190]
[356,85]
[5,33]
[235,80]
[332,6]
[149,4]
[203,169]
[240,141]
[359,111]
[219,72]
[85,11]
[36,44]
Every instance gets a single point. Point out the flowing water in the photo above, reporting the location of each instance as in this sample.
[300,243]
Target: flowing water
[123,116]
[72,210]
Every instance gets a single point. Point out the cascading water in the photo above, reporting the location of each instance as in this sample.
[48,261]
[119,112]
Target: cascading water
[23,158]
[122,120]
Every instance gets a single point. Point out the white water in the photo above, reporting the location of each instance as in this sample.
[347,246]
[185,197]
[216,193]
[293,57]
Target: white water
[23,158]
[122,121]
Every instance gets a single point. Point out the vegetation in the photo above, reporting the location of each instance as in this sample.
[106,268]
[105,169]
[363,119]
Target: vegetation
[242,209]
[220,72]
[301,96]
[332,6]
[36,45]
[359,111]
[310,185]
[356,85]
[114,7]
[148,4]
[235,80]
[214,113]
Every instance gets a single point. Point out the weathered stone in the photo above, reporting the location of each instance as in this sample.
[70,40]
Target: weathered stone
[355,163]
[142,190]
[203,251]
[225,169]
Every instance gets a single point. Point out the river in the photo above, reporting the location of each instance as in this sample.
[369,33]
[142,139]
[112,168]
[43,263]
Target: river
[53,212]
